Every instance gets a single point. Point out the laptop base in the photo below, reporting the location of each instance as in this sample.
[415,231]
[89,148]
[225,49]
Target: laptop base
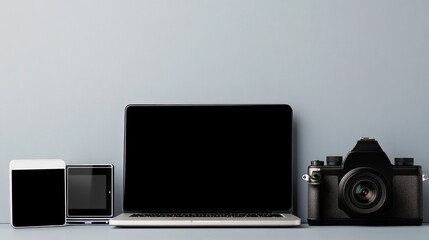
[124,220]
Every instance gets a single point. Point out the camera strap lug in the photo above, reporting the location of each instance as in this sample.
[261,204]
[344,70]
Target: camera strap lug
[306,177]
[425,177]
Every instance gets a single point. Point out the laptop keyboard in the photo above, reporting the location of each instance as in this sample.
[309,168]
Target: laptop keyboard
[209,215]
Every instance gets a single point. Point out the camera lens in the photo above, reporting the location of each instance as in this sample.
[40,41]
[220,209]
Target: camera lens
[363,191]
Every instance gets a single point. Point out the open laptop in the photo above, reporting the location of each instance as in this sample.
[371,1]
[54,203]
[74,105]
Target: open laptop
[207,165]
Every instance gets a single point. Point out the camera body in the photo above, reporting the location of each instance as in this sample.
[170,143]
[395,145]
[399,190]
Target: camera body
[364,189]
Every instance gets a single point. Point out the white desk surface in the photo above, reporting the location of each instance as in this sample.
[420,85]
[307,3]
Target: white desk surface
[304,232]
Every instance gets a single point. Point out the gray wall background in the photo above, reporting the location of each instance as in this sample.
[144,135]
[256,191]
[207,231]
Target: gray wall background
[348,68]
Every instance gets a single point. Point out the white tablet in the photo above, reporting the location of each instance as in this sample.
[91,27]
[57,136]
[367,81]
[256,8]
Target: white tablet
[37,192]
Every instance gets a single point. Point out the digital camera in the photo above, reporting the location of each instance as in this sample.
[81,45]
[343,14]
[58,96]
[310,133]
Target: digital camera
[365,189]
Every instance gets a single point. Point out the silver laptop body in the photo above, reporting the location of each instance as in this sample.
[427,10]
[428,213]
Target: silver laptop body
[124,220]
[207,166]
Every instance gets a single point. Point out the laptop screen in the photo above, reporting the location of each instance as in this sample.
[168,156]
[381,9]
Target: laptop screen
[208,158]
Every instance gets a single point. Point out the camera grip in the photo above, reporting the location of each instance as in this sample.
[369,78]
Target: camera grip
[314,199]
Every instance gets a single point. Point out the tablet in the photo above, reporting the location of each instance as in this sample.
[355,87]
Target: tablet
[89,193]
[37,192]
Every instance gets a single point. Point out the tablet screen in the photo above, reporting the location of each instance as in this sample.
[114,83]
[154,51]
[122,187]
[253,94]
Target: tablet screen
[38,197]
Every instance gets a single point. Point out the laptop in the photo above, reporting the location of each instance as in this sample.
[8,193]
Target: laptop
[207,166]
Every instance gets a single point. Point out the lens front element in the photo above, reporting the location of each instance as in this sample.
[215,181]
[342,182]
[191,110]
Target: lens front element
[364,192]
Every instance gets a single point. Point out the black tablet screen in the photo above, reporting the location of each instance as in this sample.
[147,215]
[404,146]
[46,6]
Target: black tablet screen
[38,197]
[89,191]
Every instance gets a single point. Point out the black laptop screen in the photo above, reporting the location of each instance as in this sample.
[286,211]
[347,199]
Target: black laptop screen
[208,158]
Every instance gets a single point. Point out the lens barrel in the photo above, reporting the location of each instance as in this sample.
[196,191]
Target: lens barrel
[363,191]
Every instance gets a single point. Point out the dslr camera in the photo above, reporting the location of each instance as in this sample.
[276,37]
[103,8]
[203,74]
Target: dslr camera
[365,189]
